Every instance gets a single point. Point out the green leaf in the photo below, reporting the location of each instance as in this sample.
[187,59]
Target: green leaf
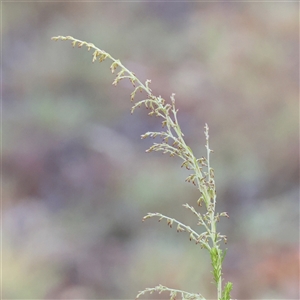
[226,291]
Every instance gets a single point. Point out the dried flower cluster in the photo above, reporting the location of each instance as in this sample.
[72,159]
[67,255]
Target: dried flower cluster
[202,175]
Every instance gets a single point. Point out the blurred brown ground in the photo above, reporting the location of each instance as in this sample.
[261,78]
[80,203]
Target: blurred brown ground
[76,181]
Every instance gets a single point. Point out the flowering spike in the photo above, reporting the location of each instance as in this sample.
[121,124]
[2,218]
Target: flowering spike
[202,175]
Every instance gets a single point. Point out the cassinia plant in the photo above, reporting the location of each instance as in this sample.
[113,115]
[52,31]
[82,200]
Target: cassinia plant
[202,174]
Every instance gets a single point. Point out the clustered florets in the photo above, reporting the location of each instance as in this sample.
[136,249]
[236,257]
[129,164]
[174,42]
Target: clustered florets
[202,175]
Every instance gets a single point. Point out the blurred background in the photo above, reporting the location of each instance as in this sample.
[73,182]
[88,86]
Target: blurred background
[76,179]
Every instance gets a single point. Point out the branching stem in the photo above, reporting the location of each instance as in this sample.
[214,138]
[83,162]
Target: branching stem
[174,144]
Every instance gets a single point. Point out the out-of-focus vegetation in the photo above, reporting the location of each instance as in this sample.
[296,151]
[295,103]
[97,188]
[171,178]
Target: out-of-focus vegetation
[76,181]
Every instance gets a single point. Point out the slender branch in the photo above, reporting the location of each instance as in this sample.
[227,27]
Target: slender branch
[203,180]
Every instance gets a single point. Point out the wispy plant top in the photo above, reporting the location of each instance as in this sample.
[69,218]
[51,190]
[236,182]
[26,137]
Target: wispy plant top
[202,174]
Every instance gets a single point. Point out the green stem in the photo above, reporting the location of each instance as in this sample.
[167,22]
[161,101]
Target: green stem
[204,181]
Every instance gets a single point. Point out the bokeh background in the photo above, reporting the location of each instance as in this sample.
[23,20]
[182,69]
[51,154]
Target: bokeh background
[76,180]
